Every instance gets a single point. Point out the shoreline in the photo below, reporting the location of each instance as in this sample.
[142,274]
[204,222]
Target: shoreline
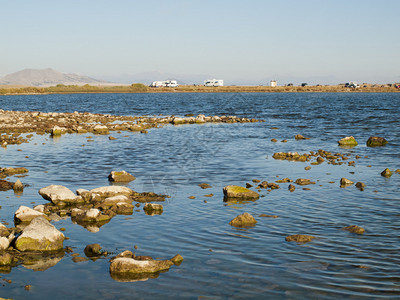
[140,88]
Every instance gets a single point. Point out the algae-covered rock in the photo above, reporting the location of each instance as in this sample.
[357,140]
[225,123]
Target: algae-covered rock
[234,191]
[360,185]
[100,129]
[304,181]
[150,207]
[57,131]
[386,173]
[59,194]
[300,238]
[345,182]
[177,259]
[244,219]
[375,141]
[92,250]
[348,141]
[40,235]
[120,176]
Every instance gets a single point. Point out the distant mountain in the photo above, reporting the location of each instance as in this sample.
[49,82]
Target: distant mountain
[47,77]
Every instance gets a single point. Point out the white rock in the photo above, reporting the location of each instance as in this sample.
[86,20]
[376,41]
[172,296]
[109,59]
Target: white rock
[110,191]
[93,213]
[26,214]
[57,194]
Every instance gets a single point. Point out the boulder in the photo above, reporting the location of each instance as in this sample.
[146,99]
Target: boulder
[110,201]
[6,185]
[59,194]
[177,259]
[348,141]
[354,229]
[25,214]
[375,141]
[93,250]
[244,219]
[299,137]
[57,131]
[92,215]
[360,185]
[300,238]
[120,176]
[5,259]
[234,191]
[386,173]
[40,235]
[291,187]
[127,265]
[110,191]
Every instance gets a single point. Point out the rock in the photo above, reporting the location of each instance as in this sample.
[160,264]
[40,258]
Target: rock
[6,185]
[284,180]
[244,219]
[18,186]
[300,238]
[57,131]
[307,168]
[13,171]
[274,140]
[234,191]
[25,214]
[120,176]
[204,185]
[59,194]
[248,185]
[100,129]
[93,250]
[177,259]
[345,182]
[375,141]
[126,265]
[360,185]
[268,216]
[348,141]
[111,138]
[291,187]
[300,137]
[109,191]
[201,119]
[4,243]
[5,259]
[354,229]
[110,201]
[304,181]
[320,160]
[40,235]
[386,173]
[150,207]
[178,121]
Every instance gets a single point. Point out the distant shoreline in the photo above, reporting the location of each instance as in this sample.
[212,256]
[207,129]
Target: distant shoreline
[141,88]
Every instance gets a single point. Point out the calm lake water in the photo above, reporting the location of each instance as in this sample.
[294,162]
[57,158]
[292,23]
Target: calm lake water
[221,261]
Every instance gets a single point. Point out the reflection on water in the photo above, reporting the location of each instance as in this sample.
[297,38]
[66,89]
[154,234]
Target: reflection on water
[221,261]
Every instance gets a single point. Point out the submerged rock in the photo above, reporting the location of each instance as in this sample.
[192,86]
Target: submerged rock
[348,141]
[234,191]
[6,185]
[304,181]
[204,185]
[40,235]
[375,141]
[244,219]
[300,238]
[354,229]
[120,176]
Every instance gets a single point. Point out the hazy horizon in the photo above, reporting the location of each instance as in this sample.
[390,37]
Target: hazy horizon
[324,42]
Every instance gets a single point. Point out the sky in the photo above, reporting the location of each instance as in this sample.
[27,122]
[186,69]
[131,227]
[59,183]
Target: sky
[242,42]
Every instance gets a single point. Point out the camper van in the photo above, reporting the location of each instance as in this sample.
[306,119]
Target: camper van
[165,83]
[214,82]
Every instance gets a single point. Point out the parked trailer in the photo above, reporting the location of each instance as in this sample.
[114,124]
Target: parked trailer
[214,82]
[165,83]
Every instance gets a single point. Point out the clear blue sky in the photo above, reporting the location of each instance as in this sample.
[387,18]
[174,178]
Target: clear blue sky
[325,41]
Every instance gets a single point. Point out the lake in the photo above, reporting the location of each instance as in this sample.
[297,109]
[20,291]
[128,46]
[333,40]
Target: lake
[221,261]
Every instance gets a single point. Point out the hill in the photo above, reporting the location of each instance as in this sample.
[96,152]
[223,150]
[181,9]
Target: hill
[47,77]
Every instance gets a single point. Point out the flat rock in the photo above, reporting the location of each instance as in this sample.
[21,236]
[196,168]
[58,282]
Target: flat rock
[354,229]
[234,191]
[59,194]
[132,266]
[120,176]
[304,181]
[300,238]
[110,191]
[244,219]
[40,235]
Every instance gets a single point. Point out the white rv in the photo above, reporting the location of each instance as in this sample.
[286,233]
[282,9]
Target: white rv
[165,83]
[214,82]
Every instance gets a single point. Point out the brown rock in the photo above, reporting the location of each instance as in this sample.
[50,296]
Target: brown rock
[386,173]
[234,191]
[304,181]
[244,219]
[204,185]
[354,229]
[291,187]
[120,176]
[300,238]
